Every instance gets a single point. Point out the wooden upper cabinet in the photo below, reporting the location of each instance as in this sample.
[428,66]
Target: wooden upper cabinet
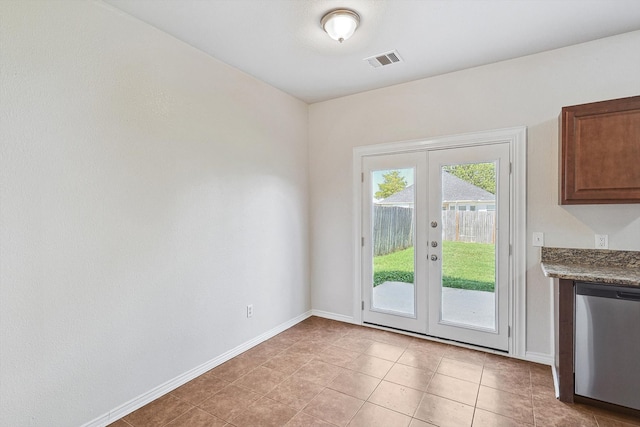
[600,152]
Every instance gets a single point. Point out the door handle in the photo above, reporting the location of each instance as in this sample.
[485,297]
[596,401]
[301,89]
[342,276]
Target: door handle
[632,296]
[434,257]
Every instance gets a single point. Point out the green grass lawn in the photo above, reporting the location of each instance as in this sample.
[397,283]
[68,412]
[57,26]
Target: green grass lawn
[465,266]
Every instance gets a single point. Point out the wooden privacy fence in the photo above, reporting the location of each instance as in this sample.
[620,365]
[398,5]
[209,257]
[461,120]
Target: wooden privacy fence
[469,226]
[393,227]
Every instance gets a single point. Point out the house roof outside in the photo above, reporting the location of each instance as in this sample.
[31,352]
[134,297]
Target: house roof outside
[403,197]
[454,190]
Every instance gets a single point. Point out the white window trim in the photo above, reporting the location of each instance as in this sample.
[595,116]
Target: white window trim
[517,139]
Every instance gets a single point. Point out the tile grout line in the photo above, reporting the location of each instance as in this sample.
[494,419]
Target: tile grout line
[533,412]
[475,406]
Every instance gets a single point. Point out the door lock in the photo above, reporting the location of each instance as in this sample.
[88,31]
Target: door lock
[434,224]
[434,257]
[434,244]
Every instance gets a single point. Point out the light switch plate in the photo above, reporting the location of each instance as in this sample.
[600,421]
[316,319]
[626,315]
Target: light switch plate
[538,239]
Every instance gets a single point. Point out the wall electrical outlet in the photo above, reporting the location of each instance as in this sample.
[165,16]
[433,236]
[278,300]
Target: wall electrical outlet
[602,241]
[250,310]
[538,239]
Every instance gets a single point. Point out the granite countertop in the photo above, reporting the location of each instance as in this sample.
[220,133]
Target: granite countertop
[592,265]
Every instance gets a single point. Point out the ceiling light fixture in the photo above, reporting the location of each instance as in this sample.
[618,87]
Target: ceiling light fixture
[340,24]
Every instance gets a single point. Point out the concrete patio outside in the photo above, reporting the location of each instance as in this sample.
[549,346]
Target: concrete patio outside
[462,306]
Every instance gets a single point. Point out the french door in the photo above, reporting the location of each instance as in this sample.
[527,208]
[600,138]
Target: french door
[436,242]
[394,270]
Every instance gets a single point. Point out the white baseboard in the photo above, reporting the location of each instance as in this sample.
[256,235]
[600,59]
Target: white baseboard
[334,316]
[545,359]
[162,389]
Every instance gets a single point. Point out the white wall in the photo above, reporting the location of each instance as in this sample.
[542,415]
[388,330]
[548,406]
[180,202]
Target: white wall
[528,91]
[148,193]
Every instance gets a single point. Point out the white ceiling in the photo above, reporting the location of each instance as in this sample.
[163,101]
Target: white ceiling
[281,42]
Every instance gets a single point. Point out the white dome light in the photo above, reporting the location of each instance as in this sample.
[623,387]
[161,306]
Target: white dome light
[340,24]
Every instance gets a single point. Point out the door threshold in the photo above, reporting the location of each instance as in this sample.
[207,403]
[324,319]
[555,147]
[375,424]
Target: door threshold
[437,339]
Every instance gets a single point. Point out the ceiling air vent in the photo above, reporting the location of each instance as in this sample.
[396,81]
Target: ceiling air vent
[382,59]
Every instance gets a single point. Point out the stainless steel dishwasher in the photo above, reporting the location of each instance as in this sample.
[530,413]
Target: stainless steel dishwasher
[607,343]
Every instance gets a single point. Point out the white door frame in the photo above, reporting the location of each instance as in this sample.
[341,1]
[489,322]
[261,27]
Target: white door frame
[517,139]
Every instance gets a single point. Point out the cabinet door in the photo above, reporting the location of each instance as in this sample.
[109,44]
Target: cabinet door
[601,152]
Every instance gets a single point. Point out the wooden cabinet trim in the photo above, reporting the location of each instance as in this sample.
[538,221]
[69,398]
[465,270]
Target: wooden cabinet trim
[565,331]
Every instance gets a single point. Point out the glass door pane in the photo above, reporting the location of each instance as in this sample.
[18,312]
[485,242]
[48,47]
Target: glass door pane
[469,244]
[468,255]
[394,291]
[392,198]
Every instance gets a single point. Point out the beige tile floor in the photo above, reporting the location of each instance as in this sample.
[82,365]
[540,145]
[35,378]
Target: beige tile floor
[327,373]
